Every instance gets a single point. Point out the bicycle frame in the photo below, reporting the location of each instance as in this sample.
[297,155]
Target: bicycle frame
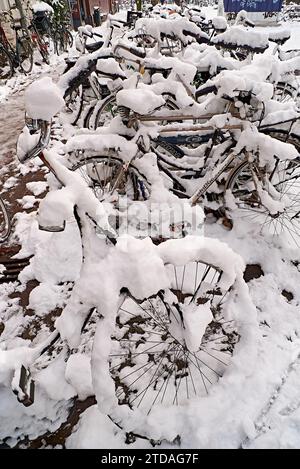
[37,40]
[14,53]
[213,175]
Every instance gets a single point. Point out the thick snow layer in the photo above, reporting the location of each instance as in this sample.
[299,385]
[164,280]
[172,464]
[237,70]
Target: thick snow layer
[110,66]
[42,6]
[142,101]
[102,143]
[44,298]
[219,22]
[186,71]
[265,146]
[43,99]
[240,36]
[84,64]
[176,28]
[196,320]
[78,374]
[95,430]
[37,187]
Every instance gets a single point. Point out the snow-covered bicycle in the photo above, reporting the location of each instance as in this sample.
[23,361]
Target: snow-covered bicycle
[168,316]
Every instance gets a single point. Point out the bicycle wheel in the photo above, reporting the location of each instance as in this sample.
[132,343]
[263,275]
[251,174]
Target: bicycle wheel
[108,109]
[62,40]
[159,357]
[283,135]
[69,39]
[6,65]
[5,225]
[106,176]
[284,92]
[74,104]
[57,43]
[25,55]
[43,48]
[284,218]
[103,115]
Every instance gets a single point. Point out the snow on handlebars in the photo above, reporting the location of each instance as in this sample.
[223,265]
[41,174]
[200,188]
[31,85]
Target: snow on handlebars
[43,100]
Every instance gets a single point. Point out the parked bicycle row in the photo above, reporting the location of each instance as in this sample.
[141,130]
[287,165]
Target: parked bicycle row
[42,33]
[159,125]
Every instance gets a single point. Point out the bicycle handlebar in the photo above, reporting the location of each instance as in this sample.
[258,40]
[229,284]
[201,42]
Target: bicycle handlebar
[36,125]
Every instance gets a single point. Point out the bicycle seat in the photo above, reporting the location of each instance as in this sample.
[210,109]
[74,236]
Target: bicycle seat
[203,91]
[137,51]
[163,71]
[110,68]
[200,38]
[279,37]
[237,37]
[94,46]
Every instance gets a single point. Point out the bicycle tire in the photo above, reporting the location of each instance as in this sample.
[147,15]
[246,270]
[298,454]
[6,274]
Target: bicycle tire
[284,92]
[43,48]
[107,108]
[25,50]
[285,178]
[69,38]
[6,65]
[5,224]
[74,104]
[138,187]
[57,43]
[283,135]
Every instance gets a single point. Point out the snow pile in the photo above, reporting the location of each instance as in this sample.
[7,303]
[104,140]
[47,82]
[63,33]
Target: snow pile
[265,146]
[279,35]
[102,143]
[209,59]
[219,23]
[110,66]
[58,205]
[78,374]
[237,36]
[141,101]
[42,6]
[247,78]
[179,28]
[43,99]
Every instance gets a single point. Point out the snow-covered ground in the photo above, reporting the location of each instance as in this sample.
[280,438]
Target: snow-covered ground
[254,405]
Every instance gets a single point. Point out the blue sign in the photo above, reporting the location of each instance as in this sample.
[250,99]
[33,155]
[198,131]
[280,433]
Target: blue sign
[252,5]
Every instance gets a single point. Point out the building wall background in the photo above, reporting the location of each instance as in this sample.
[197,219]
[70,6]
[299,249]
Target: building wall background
[82,10]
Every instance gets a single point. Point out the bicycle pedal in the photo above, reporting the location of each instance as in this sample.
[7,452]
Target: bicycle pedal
[25,390]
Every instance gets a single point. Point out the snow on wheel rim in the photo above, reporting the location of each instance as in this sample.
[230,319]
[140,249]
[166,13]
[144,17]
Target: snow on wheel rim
[151,367]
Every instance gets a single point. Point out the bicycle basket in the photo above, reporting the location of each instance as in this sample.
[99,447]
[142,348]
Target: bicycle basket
[41,23]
